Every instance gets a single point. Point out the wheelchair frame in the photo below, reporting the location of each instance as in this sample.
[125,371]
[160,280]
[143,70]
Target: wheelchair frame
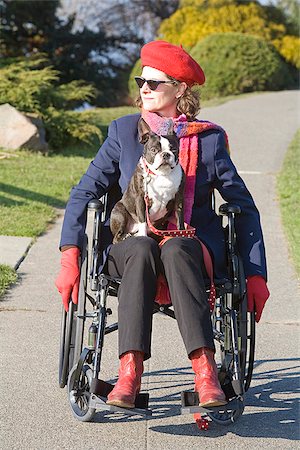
[233,328]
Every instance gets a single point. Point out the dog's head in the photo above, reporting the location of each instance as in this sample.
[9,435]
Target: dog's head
[160,152]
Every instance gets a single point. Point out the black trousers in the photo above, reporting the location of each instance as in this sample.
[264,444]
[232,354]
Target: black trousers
[138,261]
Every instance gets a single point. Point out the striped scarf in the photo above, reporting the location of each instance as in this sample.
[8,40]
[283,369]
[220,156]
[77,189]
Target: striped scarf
[187,132]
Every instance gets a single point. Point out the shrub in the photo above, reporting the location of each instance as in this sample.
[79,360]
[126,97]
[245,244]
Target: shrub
[190,24]
[205,3]
[26,85]
[31,86]
[65,127]
[235,63]
[132,86]
[289,48]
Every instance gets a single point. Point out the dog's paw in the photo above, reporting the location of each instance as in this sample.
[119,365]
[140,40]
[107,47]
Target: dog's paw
[125,236]
[121,237]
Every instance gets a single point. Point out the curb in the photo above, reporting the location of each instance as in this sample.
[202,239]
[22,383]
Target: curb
[13,250]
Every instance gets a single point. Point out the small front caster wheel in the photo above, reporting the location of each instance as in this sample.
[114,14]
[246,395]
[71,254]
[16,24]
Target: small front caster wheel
[79,397]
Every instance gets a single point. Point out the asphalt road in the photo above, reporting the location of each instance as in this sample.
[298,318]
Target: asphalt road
[34,411]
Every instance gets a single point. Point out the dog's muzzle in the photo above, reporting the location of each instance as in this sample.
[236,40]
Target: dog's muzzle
[164,159]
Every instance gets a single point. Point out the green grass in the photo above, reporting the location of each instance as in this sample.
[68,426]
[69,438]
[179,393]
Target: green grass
[7,277]
[288,185]
[33,186]
[102,117]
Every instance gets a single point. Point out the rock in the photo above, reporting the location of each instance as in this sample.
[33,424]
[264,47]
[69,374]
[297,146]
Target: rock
[18,130]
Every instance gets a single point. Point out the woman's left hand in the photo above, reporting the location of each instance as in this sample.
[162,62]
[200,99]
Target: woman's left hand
[257,293]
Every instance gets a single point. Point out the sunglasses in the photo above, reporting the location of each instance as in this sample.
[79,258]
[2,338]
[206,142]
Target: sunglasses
[153,84]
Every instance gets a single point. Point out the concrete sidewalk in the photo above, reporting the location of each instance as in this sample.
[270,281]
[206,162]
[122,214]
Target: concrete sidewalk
[13,250]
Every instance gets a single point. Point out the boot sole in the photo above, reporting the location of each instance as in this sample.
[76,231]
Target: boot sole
[120,404]
[211,403]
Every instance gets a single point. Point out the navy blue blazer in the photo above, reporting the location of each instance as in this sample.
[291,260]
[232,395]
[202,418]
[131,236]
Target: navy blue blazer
[113,168]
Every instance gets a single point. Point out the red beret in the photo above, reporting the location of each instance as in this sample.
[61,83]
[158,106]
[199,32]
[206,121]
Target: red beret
[173,61]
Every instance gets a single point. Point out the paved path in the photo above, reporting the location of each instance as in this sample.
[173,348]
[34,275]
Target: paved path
[34,412]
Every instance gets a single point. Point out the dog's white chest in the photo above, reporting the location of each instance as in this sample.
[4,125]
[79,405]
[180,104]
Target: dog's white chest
[161,189]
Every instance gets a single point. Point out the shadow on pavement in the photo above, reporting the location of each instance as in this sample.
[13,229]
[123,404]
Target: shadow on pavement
[271,405]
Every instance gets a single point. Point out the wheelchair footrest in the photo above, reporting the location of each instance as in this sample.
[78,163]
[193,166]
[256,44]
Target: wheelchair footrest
[100,389]
[190,404]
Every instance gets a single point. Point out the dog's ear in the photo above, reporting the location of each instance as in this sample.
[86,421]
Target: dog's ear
[144,131]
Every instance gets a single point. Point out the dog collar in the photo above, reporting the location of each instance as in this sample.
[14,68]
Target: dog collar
[146,167]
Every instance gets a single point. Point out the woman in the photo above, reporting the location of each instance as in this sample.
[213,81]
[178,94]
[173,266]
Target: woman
[165,95]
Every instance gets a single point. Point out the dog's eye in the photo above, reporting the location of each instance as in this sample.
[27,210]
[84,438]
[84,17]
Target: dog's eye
[153,150]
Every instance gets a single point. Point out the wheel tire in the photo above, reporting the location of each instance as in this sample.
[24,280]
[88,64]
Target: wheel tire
[79,398]
[250,351]
[61,380]
[66,352]
[227,417]
[246,333]
[242,322]
[72,327]
[81,306]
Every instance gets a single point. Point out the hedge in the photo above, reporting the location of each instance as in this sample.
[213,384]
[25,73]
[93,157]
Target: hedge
[235,63]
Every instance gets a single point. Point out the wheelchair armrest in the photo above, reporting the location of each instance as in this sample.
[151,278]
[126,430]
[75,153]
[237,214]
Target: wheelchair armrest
[95,205]
[229,208]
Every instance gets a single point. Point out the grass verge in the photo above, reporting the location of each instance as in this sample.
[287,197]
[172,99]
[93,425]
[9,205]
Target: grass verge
[7,277]
[288,186]
[33,187]
[102,117]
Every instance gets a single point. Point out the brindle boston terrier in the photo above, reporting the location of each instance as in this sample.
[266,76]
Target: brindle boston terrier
[160,176]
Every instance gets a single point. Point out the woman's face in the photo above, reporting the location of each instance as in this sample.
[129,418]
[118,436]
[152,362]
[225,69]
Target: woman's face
[164,99]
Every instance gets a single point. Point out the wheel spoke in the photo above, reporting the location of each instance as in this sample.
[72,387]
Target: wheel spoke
[79,398]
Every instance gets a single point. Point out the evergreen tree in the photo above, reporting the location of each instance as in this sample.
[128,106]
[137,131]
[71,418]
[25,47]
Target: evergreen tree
[32,26]
[27,26]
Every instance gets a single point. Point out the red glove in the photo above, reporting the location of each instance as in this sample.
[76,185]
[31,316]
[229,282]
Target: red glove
[257,293]
[67,281]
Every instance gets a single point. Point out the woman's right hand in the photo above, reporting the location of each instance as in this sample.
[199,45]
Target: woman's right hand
[257,293]
[67,281]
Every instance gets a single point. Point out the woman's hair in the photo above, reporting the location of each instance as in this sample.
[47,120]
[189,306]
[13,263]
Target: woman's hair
[188,103]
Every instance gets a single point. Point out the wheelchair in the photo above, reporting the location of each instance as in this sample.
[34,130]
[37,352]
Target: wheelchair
[84,327]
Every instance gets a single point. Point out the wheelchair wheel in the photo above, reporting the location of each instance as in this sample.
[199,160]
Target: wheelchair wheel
[228,415]
[79,394]
[72,325]
[249,362]
[81,307]
[246,333]
[242,323]
[67,337]
[237,352]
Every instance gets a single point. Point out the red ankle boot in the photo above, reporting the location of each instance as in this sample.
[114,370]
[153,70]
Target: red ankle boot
[129,382]
[206,380]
